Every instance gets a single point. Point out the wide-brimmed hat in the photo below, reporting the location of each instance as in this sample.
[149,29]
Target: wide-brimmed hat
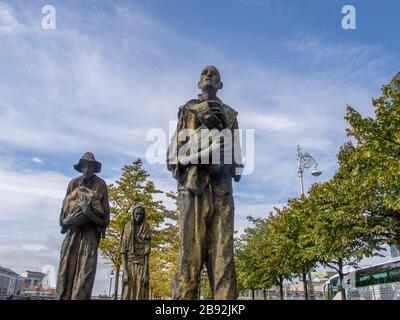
[88,157]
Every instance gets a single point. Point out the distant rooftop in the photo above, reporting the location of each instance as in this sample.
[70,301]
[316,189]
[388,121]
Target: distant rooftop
[33,274]
[8,271]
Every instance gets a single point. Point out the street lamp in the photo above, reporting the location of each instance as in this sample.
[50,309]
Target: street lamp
[307,161]
[111,276]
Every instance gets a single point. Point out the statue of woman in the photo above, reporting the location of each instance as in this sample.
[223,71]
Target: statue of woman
[135,252]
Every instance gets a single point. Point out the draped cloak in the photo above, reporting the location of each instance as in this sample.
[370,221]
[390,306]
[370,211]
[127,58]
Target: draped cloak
[135,246]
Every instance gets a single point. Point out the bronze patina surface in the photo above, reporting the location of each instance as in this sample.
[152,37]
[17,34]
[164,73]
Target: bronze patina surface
[205,200]
[84,217]
[135,251]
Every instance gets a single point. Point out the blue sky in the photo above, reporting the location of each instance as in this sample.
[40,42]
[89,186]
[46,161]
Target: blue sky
[112,70]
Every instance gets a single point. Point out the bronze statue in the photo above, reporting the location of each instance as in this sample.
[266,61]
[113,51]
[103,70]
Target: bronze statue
[84,217]
[135,250]
[205,200]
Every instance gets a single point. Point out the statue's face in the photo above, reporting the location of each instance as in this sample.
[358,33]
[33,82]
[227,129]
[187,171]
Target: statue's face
[210,79]
[87,168]
[138,215]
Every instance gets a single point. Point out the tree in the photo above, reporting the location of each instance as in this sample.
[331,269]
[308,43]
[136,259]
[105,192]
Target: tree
[293,226]
[134,188]
[340,229]
[376,162]
[204,287]
[260,261]
[164,254]
[248,258]
[342,220]
[278,260]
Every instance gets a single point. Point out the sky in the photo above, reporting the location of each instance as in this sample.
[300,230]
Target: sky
[113,70]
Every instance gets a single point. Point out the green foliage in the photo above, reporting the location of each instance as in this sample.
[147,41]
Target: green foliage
[376,162]
[164,255]
[205,289]
[341,221]
[259,261]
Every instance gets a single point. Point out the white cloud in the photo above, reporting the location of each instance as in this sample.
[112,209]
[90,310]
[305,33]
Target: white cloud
[27,257]
[37,160]
[88,99]
[33,247]
[271,122]
[8,22]
[102,93]
[29,195]
[256,210]
[319,144]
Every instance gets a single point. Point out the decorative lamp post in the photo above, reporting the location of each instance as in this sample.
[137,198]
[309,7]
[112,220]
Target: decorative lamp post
[111,276]
[307,161]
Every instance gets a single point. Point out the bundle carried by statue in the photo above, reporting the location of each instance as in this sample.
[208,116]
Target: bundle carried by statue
[207,142]
[210,114]
[208,148]
[82,206]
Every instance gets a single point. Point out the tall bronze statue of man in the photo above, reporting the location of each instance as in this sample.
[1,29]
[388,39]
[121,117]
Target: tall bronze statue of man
[135,250]
[85,215]
[205,200]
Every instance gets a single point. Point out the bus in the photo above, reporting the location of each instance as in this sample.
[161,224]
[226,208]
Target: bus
[377,282]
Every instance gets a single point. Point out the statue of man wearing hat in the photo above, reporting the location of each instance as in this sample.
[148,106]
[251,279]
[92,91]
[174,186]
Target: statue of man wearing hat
[135,251]
[205,200]
[84,217]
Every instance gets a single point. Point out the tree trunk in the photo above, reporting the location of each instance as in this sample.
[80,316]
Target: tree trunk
[116,282]
[310,286]
[252,294]
[265,294]
[341,276]
[280,281]
[304,276]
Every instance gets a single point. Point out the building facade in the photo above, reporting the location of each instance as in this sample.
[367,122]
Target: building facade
[33,278]
[10,282]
